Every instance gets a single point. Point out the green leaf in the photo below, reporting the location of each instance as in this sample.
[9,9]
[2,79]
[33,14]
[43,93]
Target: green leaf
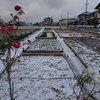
[91,96]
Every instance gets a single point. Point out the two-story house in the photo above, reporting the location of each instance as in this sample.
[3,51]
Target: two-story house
[48,21]
[83,18]
[98,12]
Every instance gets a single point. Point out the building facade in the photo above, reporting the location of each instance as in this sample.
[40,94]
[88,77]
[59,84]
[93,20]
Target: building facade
[64,21]
[48,21]
[84,17]
[98,12]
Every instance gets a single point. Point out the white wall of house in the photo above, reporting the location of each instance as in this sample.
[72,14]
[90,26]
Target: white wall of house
[98,15]
[64,21]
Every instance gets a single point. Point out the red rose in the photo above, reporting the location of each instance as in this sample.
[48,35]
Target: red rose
[11,14]
[10,29]
[15,44]
[17,8]
[3,29]
[3,25]
[15,17]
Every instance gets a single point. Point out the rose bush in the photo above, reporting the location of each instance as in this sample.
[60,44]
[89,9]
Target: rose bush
[7,39]
[87,77]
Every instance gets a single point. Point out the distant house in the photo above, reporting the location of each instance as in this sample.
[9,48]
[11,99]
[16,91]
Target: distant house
[98,12]
[64,21]
[84,17]
[73,21]
[48,21]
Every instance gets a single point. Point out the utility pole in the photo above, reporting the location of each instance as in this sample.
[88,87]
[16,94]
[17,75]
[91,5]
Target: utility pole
[67,18]
[86,11]
[86,5]
[27,20]
[61,19]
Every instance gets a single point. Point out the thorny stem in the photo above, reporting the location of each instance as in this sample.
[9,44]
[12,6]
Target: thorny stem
[9,81]
[8,69]
[95,92]
[15,53]
[92,88]
[77,96]
[16,27]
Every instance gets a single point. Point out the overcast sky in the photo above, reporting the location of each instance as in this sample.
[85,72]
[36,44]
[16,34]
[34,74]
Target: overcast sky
[37,10]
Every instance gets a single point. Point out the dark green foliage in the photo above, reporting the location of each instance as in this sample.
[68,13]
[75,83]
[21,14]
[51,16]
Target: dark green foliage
[21,36]
[2,45]
[44,34]
[82,79]
[18,60]
[91,96]
[53,34]
[47,28]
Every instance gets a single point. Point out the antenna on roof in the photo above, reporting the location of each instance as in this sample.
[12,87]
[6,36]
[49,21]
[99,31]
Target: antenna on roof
[61,16]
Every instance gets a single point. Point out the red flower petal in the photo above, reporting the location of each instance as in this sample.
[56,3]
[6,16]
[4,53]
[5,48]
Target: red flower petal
[15,44]
[10,29]
[17,8]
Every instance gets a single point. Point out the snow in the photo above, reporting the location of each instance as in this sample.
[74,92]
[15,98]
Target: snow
[75,61]
[49,35]
[40,78]
[90,57]
[74,34]
[45,44]
[46,77]
[24,45]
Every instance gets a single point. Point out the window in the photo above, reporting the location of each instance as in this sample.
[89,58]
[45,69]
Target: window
[98,10]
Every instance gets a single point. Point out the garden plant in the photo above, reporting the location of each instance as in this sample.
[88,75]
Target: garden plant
[88,79]
[8,34]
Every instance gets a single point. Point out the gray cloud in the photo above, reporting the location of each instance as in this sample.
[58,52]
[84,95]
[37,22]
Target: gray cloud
[37,10]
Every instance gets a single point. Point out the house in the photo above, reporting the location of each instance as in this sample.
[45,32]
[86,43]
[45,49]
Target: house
[93,19]
[73,21]
[98,12]
[48,21]
[64,21]
[84,17]
[93,14]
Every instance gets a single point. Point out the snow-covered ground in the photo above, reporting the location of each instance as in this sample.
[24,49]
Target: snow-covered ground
[49,35]
[45,44]
[90,57]
[42,77]
[75,61]
[73,34]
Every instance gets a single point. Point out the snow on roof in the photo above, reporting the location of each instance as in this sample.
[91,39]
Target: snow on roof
[84,13]
[97,6]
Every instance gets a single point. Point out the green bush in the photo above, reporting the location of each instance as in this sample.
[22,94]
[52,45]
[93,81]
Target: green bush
[21,36]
